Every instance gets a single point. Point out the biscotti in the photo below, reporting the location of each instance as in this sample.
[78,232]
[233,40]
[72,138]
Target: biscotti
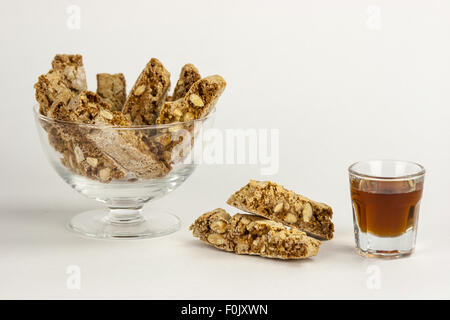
[72,69]
[130,152]
[112,88]
[63,82]
[148,94]
[253,235]
[58,91]
[274,202]
[104,135]
[50,90]
[80,154]
[198,101]
[125,147]
[188,76]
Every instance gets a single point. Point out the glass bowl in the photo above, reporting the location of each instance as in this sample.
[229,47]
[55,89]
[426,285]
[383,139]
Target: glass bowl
[124,168]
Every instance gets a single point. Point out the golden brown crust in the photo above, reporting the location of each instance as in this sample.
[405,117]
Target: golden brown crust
[148,93]
[197,103]
[61,61]
[80,154]
[188,76]
[112,88]
[62,83]
[62,95]
[61,87]
[71,66]
[274,202]
[254,235]
[51,89]
[125,147]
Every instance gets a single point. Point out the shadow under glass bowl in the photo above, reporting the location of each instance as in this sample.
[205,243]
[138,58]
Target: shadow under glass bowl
[124,168]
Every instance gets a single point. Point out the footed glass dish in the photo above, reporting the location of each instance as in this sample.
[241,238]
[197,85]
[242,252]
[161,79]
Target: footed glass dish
[123,168]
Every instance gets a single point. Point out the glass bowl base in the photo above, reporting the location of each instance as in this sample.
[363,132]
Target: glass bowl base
[100,224]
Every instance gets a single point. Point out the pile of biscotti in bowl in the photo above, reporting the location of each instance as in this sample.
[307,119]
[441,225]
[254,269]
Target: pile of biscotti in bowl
[108,135]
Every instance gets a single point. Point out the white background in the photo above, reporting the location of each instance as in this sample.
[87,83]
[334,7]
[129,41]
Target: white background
[342,81]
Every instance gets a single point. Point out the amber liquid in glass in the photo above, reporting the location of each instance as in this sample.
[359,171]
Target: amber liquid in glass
[386,209]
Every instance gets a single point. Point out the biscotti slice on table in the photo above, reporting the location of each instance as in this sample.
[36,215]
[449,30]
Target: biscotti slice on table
[274,202]
[188,76]
[112,88]
[253,235]
[148,94]
[63,82]
[197,102]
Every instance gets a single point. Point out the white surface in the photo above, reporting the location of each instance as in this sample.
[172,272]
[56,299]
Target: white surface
[339,85]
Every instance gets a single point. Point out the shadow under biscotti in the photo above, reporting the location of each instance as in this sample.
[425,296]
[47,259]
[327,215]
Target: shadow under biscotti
[211,252]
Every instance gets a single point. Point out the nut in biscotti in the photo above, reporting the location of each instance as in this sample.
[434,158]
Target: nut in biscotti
[197,102]
[71,66]
[274,202]
[80,154]
[253,235]
[109,153]
[60,88]
[148,94]
[129,151]
[51,90]
[62,83]
[188,76]
[112,88]
[104,153]
[124,146]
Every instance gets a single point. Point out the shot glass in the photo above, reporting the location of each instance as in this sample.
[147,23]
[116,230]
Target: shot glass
[386,196]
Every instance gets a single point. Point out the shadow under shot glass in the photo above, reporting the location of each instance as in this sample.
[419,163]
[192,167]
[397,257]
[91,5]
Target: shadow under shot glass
[386,198]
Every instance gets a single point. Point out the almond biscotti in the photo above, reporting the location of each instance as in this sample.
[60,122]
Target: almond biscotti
[51,90]
[253,235]
[148,94]
[71,66]
[97,149]
[112,88]
[129,151]
[274,202]
[84,158]
[63,82]
[125,147]
[188,76]
[57,92]
[197,102]
[80,154]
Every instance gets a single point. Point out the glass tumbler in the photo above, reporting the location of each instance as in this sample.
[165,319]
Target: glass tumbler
[386,196]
